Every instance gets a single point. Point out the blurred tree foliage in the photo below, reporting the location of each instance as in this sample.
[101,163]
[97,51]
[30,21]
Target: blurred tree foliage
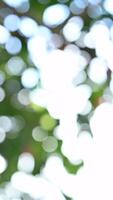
[20,141]
[16,143]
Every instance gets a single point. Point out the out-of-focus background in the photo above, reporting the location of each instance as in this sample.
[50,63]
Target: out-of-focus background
[55,69]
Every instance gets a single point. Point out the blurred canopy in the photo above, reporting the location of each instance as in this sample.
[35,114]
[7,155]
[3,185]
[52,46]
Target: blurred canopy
[30,115]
